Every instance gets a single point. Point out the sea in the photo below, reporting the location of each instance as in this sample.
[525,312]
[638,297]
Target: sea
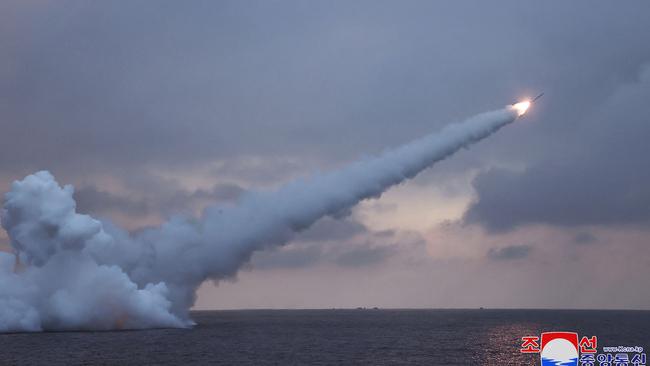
[329,337]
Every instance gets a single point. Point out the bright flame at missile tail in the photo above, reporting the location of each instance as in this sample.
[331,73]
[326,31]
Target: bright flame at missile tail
[521,107]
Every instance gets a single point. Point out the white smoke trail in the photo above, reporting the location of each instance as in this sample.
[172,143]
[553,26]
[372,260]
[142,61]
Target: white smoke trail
[70,271]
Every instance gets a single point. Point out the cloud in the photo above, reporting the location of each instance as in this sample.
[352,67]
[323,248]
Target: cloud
[339,242]
[509,252]
[90,199]
[347,254]
[313,246]
[287,258]
[598,178]
[332,229]
[365,255]
[585,238]
[163,202]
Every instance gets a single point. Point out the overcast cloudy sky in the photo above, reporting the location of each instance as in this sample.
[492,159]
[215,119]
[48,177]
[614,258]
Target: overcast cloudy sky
[156,107]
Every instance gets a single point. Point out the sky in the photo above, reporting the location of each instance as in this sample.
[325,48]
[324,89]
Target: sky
[151,108]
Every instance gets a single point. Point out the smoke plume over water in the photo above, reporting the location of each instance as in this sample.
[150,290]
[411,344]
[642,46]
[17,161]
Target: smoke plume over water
[70,271]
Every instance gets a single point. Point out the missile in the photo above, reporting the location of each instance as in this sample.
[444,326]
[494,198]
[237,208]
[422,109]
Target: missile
[522,107]
[531,101]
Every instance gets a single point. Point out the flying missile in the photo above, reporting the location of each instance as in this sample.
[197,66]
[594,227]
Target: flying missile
[522,107]
[530,101]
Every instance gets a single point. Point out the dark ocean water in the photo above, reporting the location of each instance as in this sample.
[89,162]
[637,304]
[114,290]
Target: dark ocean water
[329,337]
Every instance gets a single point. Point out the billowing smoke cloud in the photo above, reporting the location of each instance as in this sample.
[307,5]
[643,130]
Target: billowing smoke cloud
[70,271]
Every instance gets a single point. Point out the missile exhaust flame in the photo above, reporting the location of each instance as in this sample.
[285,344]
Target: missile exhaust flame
[521,107]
